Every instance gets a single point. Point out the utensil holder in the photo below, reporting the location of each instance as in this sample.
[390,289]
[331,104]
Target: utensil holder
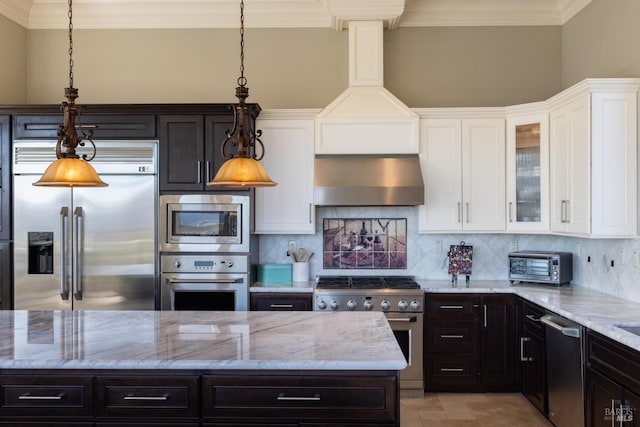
[300,271]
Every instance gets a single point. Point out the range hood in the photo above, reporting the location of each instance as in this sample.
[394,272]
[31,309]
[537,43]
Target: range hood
[366,140]
[368,180]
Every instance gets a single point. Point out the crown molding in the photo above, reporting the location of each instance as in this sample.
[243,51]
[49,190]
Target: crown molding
[173,14]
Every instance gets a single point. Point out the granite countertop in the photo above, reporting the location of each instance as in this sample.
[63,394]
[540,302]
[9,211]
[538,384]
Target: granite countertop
[595,310]
[197,340]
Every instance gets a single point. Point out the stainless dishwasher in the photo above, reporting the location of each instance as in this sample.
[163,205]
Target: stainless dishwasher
[565,372]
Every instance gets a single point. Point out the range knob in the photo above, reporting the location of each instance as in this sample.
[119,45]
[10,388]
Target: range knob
[322,305]
[386,305]
[229,263]
[351,305]
[415,304]
[177,264]
[334,305]
[402,305]
[368,305]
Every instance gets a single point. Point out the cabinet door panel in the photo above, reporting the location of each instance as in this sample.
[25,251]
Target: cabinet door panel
[181,153]
[528,173]
[497,342]
[217,127]
[441,160]
[483,174]
[288,207]
[603,395]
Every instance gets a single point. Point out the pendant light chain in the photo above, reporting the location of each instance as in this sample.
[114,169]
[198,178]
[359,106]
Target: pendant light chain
[242,81]
[70,14]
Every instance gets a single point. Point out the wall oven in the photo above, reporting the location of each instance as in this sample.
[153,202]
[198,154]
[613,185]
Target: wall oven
[204,282]
[218,223]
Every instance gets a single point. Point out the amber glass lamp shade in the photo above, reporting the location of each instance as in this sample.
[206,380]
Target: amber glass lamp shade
[241,172]
[70,172]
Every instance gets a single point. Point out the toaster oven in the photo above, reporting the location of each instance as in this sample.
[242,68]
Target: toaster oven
[553,268]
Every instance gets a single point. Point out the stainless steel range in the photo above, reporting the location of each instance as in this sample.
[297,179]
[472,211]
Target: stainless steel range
[399,297]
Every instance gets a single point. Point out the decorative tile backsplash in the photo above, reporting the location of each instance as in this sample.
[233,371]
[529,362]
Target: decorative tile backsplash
[359,243]
[426,254]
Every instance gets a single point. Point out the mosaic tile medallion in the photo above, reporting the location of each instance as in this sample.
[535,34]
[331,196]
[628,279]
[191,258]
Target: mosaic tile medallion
[364,243]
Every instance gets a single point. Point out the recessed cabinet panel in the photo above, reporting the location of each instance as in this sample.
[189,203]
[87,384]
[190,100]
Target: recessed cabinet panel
[288,207]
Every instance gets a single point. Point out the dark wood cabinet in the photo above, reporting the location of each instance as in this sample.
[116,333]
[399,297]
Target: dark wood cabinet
[612,383]
[497,342]
[52,398]
[279,301]
[328,398]
[141,398]
[191,150]
[469,342]
[103,126]
[531,355]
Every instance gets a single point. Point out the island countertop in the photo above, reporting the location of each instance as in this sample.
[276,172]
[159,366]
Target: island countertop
[197,340]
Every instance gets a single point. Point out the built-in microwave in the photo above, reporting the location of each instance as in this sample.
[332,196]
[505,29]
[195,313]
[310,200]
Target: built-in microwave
[554,268]
[205,223]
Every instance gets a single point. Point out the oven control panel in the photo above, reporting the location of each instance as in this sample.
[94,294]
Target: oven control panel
[204,263]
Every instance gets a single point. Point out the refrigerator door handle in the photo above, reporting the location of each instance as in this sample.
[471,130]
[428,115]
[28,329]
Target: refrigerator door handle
[64,288]
[77,252]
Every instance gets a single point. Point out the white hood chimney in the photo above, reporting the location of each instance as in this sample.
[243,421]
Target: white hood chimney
[366,140]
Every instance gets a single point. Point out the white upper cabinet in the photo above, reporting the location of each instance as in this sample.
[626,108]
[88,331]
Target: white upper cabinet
[528,170]
[463,165]
[594,155]
[288,207]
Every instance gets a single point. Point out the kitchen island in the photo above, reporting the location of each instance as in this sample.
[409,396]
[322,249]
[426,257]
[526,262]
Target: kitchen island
[198,368]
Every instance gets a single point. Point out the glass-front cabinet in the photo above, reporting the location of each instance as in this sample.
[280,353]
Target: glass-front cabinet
[528,173]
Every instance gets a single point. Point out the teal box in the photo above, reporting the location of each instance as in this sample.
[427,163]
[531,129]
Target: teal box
[274,273]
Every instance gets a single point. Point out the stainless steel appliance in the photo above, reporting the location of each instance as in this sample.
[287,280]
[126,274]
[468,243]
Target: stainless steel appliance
[219,223]
[204,282]
[399,297]
[565,374]
[86,248]
[553,268]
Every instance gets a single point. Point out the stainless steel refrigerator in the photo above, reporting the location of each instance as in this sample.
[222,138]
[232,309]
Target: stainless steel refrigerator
[86,248]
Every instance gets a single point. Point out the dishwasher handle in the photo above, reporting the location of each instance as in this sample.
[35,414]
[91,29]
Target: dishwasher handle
[573,332]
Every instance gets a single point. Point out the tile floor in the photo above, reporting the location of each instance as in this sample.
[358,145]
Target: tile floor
[470,410]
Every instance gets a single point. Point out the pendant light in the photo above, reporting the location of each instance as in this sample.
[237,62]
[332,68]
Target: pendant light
[243,169]
[69,170]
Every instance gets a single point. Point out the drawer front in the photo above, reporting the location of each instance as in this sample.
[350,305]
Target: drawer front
[140,396]
[532,323]
[280,303]
[50,395]
[451,306]
[443,371]
[616,360]
[300,398]
[458,336]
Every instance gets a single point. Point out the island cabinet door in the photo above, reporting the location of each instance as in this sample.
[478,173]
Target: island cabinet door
[301,400]
[56,398]
[144,398]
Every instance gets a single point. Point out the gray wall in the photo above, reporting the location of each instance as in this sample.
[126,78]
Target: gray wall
[295,68]
[603,40]
[13,72]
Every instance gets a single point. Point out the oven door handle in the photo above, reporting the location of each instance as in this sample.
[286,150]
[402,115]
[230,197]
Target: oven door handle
[411,319]
[205,280]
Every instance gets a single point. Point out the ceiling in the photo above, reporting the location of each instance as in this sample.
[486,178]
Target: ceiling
[87,14]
